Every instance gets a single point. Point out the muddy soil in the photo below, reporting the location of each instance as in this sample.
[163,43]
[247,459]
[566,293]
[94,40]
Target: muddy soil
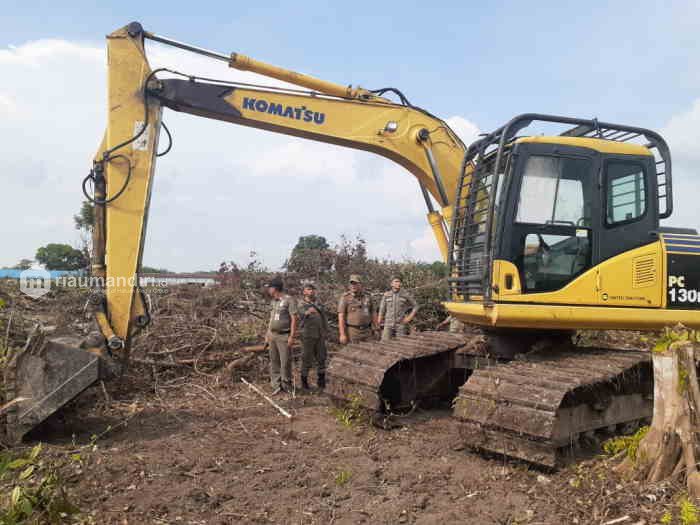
[189,445]
[208,450]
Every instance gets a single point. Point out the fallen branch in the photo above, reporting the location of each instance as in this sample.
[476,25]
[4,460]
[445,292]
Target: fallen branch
[263,348]
[162,364]
[254,348]
[12,403]
[268,399]
[617,520]
[239,363]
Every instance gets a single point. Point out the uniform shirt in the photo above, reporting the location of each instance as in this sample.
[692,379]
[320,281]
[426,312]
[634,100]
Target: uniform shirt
[283,308]
[313,321]
[395,306]
[358,309]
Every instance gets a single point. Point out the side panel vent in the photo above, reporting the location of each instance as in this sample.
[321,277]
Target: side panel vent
[644,271]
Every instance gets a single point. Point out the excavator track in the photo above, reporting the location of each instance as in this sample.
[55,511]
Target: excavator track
[397,373]
[536,407]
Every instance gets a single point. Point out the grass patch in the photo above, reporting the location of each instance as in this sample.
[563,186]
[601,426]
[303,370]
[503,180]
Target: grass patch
[342,477]
[32,488]
[630,444]
[352,414]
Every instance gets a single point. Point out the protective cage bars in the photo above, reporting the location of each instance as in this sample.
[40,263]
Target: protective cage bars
[473,238]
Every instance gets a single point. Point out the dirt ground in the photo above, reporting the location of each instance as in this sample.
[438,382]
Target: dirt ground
[208,450]
[194,445]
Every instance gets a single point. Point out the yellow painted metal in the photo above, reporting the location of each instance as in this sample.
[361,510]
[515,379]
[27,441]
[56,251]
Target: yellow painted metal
[570,317]
[359,125]
[601,145]
[105,326]
[611,283]
[447,213]
[608,296]
[438,227]
[126,216]
[505,273]
[246,63]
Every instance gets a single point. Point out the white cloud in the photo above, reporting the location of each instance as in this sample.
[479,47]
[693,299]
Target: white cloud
[466,130]
[681,133]
[223,190]
[425,247]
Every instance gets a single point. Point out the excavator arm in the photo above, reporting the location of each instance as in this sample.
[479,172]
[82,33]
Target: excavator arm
[123,168]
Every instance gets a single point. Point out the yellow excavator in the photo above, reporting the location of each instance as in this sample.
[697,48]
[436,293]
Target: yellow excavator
[542,235]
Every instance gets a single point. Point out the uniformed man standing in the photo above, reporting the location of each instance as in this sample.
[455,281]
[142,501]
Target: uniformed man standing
[280,335]
[357,313]
[397,309]
[314,330]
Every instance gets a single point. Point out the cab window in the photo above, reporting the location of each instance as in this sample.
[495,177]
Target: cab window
[553,192]
[554,221]
[626,192]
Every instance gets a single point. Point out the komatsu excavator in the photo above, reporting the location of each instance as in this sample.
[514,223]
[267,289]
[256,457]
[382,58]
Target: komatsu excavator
[542,235]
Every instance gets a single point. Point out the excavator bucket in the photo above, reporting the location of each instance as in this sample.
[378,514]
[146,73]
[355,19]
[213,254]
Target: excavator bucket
[44,376]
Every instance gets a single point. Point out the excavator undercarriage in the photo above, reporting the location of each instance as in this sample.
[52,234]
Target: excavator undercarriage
[533,405]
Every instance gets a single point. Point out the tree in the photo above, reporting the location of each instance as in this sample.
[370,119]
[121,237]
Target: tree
[85,220]
[670,445]
[23,264]
[61,257]
[151,269]
[310,256]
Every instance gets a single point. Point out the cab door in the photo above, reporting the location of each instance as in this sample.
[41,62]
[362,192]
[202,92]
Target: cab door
[552,215]
[630,266]
[629,204]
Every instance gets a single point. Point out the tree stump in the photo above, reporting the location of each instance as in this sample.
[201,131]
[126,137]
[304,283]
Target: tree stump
[670,447]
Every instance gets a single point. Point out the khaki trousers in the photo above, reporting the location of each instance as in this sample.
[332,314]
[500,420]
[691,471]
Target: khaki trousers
[280,361]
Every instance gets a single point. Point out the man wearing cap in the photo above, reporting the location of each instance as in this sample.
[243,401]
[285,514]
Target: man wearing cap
[280,334]
[396,309]
[357,313]
[314,330]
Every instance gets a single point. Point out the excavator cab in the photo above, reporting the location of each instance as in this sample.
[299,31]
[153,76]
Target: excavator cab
[573,219]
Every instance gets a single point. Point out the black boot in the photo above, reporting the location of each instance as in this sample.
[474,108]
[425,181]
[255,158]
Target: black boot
[305,383]
[321,381]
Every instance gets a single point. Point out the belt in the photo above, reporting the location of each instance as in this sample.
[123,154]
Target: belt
[280,331]
[361,327]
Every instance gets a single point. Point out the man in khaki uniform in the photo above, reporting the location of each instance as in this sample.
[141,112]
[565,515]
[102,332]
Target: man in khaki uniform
[357,313]
[396,309]
[314,330]
[280,334]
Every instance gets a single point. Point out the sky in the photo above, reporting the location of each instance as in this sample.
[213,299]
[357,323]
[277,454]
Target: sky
[225,191]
